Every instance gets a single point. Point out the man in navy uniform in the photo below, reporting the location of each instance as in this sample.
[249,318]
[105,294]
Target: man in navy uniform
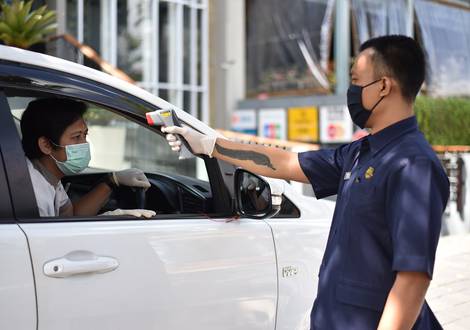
[392,192]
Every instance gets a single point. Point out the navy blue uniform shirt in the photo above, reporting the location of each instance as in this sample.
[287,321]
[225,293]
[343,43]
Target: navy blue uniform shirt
[392,192]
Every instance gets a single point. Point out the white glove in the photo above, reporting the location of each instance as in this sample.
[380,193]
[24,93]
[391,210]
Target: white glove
[132,177]
[199,143]
[138,213]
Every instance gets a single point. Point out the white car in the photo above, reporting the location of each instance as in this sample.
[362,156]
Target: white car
[204,262]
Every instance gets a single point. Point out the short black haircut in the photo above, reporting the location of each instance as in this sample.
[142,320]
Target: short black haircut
[48,117]
[400,57]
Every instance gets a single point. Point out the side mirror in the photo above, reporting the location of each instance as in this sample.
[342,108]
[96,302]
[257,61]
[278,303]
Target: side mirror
[253,196]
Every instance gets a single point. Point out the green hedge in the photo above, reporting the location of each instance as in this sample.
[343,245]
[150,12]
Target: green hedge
[444,121]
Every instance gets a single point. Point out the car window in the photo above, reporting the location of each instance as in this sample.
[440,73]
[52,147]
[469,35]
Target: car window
[117,143]
[132,145]
[288,209]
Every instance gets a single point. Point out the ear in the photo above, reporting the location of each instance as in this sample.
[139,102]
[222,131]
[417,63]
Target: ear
[44,145]
[385,86]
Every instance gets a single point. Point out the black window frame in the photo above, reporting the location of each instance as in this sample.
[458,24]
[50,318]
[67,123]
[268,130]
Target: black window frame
[32,79]
[6,211]
[18,181]
[6,208]
[288,209]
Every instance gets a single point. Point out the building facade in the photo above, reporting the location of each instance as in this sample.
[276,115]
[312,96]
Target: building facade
[230,62]
[161,44]
[298,55]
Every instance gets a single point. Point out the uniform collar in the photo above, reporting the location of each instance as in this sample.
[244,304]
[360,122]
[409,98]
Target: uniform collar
[380,139]
[51,178]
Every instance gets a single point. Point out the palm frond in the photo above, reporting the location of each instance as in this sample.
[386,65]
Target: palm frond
[20,26]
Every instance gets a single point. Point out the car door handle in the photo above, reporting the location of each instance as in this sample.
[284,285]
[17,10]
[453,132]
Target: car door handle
[79,262]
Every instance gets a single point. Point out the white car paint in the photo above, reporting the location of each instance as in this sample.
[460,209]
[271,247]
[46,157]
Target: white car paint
[172,274]
[17,297]
[300,243]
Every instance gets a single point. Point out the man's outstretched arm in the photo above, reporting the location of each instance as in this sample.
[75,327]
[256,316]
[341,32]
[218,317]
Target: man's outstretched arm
[262,160]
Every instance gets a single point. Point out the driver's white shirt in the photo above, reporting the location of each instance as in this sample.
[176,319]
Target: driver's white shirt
[51,198]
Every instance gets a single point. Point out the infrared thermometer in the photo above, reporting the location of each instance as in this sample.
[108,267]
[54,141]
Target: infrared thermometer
[167,117]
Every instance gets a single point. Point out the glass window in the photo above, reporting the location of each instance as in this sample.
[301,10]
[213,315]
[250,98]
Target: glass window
[91,27]
[91,15]
[133,145]
[71,17]
[288,209]
[283,46]
[187,45]
[134,32]
[117,143]
[445,35]
[374,18]
[199,47]
[158,43]
[163,43]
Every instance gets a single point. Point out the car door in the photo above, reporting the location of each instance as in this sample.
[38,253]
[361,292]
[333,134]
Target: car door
[171,272]
[17,296]
[300,234]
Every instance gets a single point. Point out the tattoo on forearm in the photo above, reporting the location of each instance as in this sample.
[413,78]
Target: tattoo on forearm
[254,156]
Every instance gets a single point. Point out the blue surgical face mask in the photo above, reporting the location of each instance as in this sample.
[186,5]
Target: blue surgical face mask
[359,114]
[78,158]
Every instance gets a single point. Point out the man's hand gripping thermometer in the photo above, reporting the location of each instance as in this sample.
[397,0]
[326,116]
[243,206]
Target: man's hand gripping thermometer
[167,117]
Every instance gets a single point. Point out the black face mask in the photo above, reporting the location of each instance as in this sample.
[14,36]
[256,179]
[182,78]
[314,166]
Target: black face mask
[359,114]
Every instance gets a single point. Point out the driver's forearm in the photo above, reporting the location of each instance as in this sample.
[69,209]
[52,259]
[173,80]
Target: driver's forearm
[93,201]
[262,160]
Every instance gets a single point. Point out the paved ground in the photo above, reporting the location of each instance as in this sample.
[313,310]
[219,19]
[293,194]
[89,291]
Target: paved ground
[449,293]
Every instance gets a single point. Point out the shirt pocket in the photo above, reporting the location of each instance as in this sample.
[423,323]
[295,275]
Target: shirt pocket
[361,295]
[363,193]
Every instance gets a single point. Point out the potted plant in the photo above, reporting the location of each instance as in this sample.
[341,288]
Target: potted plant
[21,26]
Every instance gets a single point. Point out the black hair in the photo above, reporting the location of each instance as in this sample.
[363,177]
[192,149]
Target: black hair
[48,117]
[402,58]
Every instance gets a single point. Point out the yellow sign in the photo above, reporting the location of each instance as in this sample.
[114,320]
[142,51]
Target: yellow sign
[303,124]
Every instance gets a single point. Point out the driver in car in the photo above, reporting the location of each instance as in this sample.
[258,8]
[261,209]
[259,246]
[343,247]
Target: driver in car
[54,141]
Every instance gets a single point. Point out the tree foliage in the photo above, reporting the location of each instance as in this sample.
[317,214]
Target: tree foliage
[444,121]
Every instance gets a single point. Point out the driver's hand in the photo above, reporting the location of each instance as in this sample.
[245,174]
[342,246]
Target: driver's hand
[200,143]
[138,213]
[132,177]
